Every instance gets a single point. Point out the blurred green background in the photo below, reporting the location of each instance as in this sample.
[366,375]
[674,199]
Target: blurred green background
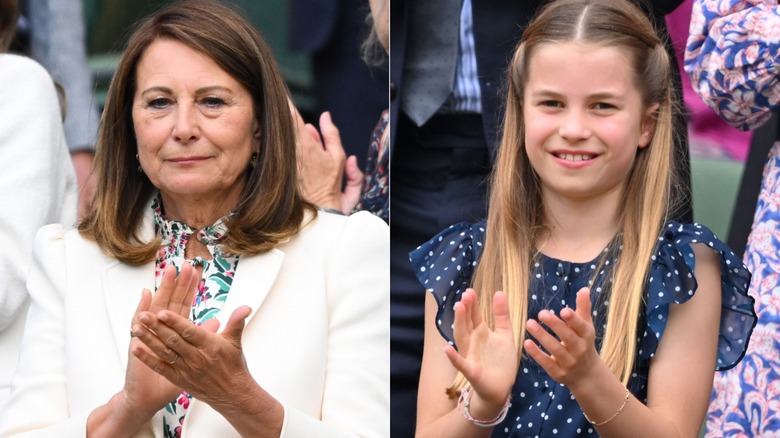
[108,23]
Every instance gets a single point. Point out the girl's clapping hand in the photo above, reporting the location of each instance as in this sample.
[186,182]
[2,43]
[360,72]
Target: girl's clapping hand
[487,358]
[572,356]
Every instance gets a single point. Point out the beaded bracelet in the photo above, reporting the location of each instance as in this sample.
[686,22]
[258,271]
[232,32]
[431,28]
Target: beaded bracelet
[465,398]
[620,409]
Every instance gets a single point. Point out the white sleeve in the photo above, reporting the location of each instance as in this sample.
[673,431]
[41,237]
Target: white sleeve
[37,179]
[356,399]
[39,395]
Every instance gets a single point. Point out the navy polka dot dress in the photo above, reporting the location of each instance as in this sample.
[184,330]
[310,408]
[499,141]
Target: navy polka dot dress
[541,407]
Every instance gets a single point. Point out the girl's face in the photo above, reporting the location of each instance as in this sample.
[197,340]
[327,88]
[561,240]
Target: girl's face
[584,119]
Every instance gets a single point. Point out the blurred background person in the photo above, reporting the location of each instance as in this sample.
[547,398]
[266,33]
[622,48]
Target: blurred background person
[39,185]
[53,33]
[323,165]
[733,58]
[196,173]
[331,32]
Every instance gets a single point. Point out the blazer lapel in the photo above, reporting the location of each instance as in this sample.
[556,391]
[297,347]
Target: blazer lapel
[253,280]
[123,285]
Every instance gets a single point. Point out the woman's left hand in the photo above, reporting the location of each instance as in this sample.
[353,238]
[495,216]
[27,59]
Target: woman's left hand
[210,366]
[572,356]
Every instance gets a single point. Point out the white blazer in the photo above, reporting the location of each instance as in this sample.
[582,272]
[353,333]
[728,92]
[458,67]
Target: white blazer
[317,338]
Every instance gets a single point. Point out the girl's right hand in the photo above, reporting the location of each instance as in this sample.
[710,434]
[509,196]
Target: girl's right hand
[487,358]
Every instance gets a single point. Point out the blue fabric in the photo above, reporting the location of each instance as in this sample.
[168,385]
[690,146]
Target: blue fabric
[445,264]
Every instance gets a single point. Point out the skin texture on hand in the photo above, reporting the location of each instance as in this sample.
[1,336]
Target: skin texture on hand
[323,165]
[487,358]
[210,366]
[145,391]
[174,295]
[572,356]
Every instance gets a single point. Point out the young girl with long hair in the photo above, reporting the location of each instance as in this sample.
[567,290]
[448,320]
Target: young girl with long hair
[609,319]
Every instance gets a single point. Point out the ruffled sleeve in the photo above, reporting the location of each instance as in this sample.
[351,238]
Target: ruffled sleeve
[672,281]
[444,266]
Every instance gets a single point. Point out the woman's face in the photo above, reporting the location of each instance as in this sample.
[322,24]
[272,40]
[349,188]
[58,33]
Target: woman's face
[194,124]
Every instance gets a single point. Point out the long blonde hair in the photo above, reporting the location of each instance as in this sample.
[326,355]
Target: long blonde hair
[515,218]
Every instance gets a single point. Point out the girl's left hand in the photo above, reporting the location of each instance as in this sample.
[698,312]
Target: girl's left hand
[209,366]
[573,355]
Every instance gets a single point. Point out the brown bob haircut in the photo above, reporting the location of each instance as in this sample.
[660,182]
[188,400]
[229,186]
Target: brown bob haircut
[271,208]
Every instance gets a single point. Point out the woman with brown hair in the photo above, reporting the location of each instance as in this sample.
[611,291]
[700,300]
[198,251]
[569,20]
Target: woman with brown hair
[267,329]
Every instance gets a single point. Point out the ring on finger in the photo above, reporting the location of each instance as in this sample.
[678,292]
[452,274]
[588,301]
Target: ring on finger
[175,358]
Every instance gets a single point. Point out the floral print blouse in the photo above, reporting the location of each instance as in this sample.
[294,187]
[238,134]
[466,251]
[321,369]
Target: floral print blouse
[733,57]
[216,279]
[375,193]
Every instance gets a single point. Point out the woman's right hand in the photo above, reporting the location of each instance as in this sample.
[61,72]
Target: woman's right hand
[487,358]
[144,388]
[145,392]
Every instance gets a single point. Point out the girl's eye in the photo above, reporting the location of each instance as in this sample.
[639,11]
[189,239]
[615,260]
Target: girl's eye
[551,103]
[604,106]
[212,102]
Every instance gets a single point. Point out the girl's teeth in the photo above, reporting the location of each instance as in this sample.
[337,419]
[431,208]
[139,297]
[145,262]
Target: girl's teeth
[573,157]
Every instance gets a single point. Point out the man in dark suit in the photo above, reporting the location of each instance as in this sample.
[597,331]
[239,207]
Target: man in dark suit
[332,31]
[440,163]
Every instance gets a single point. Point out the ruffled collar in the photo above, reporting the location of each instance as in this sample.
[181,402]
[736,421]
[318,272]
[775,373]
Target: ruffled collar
[171,230]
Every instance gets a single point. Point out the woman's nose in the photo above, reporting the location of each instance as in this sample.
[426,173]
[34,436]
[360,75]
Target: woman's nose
[185,128]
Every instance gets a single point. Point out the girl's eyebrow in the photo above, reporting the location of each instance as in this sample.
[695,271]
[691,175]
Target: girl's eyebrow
[555,94]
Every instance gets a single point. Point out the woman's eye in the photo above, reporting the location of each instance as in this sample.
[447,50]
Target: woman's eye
[212,102]
[158,103]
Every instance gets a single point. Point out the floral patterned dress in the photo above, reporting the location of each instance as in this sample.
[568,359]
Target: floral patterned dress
[375,193]
[216,279]
[541,407]
[733,57]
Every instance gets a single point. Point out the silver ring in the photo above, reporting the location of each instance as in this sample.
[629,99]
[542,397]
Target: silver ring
[132,334]
[174,359]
